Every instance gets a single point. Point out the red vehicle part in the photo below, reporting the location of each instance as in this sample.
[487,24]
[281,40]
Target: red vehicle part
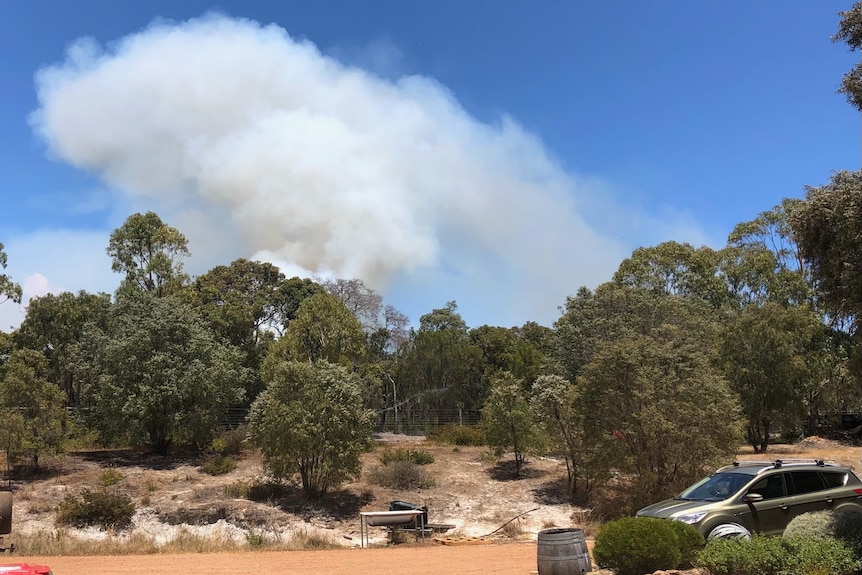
[24,569]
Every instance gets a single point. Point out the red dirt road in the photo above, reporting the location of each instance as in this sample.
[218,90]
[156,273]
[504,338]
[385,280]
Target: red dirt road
[429,559]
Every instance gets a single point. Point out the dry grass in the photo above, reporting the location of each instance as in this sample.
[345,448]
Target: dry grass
[810,448]
[60,542]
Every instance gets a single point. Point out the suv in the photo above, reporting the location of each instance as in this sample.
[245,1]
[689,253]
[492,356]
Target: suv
[761,497]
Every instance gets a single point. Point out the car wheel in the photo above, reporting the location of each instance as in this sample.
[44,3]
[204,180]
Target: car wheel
[729,531]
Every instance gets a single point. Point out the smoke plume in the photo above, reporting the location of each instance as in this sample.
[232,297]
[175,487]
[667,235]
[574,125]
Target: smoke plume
[261,142]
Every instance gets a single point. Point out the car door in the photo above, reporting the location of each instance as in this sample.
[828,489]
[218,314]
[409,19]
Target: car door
[809,492]
[770,515]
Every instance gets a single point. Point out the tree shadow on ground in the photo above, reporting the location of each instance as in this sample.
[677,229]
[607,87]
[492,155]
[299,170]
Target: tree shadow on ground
[337,505]
[554,492]
[139,458]
[505,471]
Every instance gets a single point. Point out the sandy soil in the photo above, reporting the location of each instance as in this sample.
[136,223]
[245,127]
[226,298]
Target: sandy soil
[473,493]
[427,559]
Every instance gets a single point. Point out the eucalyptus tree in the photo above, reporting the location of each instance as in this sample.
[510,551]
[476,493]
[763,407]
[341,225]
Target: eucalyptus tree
[323,329]
[149,253]
[763,262]
[767,352]
[439,371]
[9,290]
[310,421]
[508,423]
[53,325]
[34,421]
[243,303]
[558,408]
[827,226]
[157,374]
[675,268]
[643,367]
[850,33]
[508,350]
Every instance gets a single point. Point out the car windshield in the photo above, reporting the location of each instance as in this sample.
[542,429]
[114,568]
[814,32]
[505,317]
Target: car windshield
[716,487]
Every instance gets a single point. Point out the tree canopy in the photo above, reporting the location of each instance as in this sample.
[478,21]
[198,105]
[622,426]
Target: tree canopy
[149,253]
[9,290]
[158,375]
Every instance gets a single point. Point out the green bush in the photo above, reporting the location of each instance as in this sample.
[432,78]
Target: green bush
[401,475]
[842,524]
[110,477]
[96,508]
[218,465]
[452,434]
[777,556]
[689,541]
[637,545]
[417,456]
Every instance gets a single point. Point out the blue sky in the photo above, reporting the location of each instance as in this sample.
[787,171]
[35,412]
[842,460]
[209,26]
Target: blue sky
[497,153]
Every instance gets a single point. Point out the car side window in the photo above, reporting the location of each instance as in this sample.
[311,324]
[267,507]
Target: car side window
[805,482]
[769,487]
[834,479]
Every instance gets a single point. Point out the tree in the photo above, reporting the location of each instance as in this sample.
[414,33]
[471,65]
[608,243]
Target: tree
[243,303]
[560,411]
[149,253]
[673,268]
[850,32]
[310,421]
[826,225]
[32,408]
[324,329]
[158,374]
[54,324]
[668,410]
[762,261]
[508,424]
[766,352]
[9,290]
[643,364]
[507,350]
[293,292]
[362,301]
[439,372]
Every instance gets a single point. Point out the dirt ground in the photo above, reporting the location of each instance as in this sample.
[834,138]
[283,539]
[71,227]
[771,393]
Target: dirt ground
[494,517]
[427,559]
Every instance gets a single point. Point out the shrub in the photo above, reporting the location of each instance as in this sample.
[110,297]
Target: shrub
[689,541]
[401,475]
[231,442]
[96,508]
[777,556]
[842,524]
[462,435]
[637,545]
[417,456]
[239,489]
[218,465]
[110,477]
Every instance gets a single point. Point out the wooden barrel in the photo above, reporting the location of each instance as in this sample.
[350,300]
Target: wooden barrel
[563,552]
[5,512]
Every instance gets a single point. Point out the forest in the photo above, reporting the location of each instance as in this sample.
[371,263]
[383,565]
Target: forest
[665,368]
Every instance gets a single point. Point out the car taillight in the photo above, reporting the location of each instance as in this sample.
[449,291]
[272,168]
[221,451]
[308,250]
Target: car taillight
[858,491]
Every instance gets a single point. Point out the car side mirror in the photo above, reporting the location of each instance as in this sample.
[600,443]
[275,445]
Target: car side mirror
[753,497]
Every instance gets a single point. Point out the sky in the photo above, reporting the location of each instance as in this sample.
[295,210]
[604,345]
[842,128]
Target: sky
[500,153]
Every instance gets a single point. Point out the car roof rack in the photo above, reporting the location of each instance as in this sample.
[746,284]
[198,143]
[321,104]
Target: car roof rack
[777,463]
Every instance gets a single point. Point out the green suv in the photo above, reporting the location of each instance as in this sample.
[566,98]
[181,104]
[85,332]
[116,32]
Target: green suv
[760,496]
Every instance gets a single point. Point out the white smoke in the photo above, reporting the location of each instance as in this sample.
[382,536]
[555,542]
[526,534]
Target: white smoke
[330,168]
